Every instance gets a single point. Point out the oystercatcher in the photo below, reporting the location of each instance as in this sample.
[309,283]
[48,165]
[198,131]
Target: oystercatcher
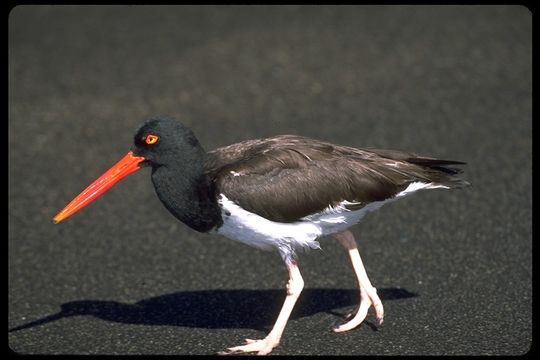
[282,192]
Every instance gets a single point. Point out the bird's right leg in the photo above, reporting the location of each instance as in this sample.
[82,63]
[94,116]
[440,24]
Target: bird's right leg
[265,346]
[368,294]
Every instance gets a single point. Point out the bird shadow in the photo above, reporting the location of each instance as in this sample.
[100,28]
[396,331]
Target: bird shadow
[214,309]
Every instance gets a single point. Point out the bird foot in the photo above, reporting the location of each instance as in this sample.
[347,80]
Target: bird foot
[262,347]
[368,298]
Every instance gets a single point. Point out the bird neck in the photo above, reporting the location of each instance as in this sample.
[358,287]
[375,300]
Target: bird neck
[188,193]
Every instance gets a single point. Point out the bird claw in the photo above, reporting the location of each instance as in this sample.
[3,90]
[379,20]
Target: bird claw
[262,347]
[370,298]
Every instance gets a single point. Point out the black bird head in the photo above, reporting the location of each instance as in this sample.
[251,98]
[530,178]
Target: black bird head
[158,142]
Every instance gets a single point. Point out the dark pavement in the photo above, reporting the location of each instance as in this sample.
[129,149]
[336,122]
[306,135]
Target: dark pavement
[454,268]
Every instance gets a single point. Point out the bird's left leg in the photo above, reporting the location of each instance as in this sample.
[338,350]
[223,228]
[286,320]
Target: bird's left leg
[264,346]
[368,294]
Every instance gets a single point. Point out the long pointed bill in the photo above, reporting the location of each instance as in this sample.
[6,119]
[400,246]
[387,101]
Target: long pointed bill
[117,172]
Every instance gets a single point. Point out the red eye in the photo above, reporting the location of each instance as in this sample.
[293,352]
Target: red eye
[151,139]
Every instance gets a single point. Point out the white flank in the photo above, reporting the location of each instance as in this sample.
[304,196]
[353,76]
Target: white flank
[415,186]
[338,218]
[254,230]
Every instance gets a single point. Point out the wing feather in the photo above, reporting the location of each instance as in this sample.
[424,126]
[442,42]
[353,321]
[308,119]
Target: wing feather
[287,177]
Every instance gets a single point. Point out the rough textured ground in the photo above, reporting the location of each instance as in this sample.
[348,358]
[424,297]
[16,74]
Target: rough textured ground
[124,277]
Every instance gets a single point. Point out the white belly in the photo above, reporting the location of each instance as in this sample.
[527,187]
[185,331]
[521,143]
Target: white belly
[254,230]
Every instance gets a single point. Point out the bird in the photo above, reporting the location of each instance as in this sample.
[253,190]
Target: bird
[280,193]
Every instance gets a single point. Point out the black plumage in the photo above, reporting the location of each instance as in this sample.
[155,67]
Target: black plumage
[287,177]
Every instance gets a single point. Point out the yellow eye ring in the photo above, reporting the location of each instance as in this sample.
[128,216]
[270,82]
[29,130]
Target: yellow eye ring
[151,139]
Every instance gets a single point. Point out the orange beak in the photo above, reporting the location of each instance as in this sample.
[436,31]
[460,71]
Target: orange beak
[117,172]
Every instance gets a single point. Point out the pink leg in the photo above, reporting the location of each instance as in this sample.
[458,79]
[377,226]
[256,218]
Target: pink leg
[368,294]
[265,346]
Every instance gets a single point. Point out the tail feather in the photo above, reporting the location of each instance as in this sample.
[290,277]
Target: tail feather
[440,172]
[437,171]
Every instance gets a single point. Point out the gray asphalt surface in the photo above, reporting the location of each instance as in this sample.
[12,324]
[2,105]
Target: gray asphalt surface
[125,277]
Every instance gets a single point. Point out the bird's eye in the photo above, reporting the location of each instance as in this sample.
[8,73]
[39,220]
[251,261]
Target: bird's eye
[151,139]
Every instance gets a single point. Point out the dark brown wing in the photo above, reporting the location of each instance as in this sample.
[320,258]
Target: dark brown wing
[285,178]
